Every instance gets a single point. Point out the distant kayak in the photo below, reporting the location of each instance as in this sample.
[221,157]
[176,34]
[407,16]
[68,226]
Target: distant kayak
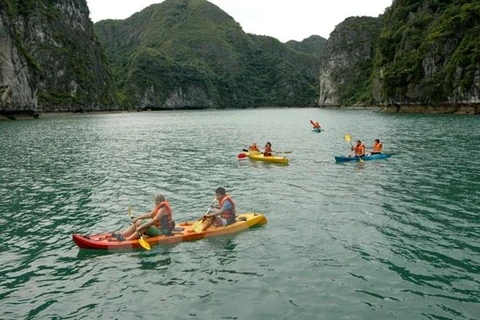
[365,158]
[317,130]
[258,156]
[184,232]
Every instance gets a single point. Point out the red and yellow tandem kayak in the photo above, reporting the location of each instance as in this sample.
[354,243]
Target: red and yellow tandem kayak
[105,241]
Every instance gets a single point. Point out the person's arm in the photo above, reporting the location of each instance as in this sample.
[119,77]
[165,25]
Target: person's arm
[141,217]
[156,217]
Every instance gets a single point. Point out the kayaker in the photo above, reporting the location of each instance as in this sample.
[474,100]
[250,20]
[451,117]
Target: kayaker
[316,125]
[358,149]
[254,147]
[267,150]
[154,223]
[224,212]
[377,147]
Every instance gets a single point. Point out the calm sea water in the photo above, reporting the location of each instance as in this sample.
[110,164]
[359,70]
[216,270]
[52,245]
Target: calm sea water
[388,239]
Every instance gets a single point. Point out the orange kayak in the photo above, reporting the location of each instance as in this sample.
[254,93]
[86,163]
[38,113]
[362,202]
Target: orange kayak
[105,241]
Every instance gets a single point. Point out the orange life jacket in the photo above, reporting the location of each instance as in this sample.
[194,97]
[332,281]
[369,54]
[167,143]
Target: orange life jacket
[230,214]
[377,147]
[360,149]
[267,152]
[253,148]
[165,221]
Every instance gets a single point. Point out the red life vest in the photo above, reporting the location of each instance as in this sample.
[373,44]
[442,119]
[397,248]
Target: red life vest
[165,221]
[230,214]
[267,152]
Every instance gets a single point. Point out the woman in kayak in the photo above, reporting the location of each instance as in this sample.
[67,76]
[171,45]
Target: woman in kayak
[224,213]
[154,223]
[267,151]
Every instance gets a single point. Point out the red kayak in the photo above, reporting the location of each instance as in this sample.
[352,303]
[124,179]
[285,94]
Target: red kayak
[185,232]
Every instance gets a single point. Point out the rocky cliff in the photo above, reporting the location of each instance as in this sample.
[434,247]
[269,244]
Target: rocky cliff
[346,67]
[424,56]
[50,59]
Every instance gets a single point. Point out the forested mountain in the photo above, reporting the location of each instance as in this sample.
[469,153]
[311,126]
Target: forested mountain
[421,53]
[50,59]
[191,54]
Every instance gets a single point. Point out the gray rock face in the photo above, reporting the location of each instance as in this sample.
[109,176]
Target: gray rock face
[347,64]
[50,59]
[16,92]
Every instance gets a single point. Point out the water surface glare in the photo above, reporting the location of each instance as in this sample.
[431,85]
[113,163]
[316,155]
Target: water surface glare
[387,239]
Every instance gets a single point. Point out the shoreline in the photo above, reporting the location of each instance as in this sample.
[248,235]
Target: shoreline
[460,109]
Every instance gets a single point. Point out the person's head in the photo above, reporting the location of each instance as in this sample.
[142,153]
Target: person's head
[268,144]
[359,142]
[158,198]
[377,140]
[220,193]
[254,144]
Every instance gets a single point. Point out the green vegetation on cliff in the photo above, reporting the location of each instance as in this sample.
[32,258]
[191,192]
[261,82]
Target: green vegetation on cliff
[429,52]
[191,54]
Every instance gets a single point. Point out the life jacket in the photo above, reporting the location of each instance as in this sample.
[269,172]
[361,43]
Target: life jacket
[253,148]
[377,147]
[165,221]
[267,152]
[230,214]
[360,149]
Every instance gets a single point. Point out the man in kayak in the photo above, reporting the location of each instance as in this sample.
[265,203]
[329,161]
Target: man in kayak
[358,149]
[224,212]
[377,147]
[316,125]
[154,223]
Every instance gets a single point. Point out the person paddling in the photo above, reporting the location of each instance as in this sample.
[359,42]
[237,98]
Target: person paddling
[267,150]
[316,125]
[254,147]
[154,223]
[224,212]
[358,149]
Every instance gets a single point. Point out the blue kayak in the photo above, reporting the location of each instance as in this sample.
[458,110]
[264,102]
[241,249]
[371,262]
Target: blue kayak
[365,158]
[317,130]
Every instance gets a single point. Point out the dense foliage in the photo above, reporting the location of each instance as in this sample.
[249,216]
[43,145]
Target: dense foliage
[189,53]
[429,51]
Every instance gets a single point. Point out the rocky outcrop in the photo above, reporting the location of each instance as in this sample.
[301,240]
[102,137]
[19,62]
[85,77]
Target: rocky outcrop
[50,59]
[348,61]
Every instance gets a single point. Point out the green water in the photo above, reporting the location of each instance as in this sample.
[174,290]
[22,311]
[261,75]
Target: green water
[387,239]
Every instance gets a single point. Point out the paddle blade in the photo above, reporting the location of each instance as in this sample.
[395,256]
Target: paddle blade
[361,160]
[347,137]
[145,245]
[242,155]
[197,226]
[311,121]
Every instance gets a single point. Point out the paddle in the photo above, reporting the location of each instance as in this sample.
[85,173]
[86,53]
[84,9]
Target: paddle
[242,155]
[142,240]
[349,139]
[197,226]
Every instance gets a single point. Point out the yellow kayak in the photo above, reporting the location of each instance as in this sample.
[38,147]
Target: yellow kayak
[260,157]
